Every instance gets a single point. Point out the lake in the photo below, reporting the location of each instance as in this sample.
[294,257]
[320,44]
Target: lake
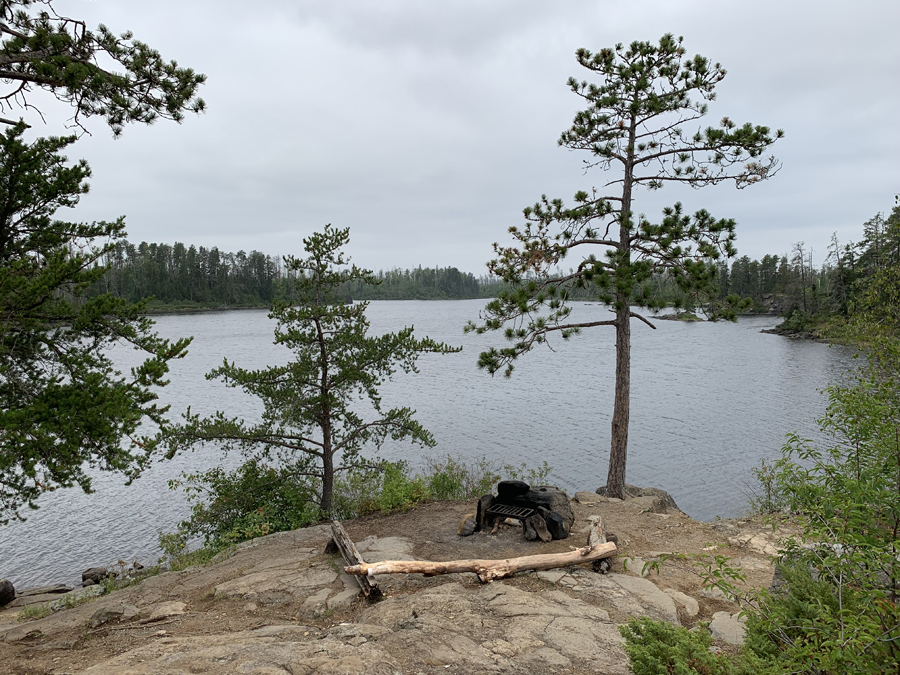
[709,401]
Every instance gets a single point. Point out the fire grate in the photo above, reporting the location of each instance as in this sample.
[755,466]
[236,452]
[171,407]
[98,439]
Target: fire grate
[505,511]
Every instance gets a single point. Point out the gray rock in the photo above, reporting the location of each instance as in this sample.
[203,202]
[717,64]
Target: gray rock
[635,566]
[343,599]
[634,491]
[585,497]
[265,651]
[631,596]
[43,590]
[553,576]
[690,605]
[713,593]
[649,504]
[727,627]
[163,610]
[116,613]
[553,499]
[467,525]
[95,575]
[316,600]
[25,600]
[7,592]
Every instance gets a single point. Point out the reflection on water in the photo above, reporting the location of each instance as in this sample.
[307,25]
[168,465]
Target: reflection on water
[708,401]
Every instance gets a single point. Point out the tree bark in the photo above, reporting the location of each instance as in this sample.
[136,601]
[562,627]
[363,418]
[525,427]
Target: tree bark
[487,570]
[618,450]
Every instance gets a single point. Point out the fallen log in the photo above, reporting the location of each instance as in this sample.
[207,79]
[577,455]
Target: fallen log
[487,570]
[352,557]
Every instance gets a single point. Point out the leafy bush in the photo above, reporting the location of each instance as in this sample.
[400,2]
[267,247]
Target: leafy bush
[526,473]
[799,321]
[838,608]
[453,479]
[253,500]
[256,499]
[766,496]
[845,617]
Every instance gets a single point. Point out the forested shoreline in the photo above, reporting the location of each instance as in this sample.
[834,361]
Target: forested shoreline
[190,277]
[180,277]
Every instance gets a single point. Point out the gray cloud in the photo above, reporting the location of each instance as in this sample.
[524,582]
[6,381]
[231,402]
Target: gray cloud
[426,127]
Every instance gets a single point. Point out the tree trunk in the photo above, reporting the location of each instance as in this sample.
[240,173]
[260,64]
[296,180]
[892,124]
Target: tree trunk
[618,451]
[327,484]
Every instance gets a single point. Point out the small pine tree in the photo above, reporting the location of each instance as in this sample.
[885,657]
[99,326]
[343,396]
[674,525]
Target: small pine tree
[312,421]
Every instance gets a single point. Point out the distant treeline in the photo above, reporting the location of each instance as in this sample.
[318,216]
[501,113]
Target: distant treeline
[186,276]
[850,278]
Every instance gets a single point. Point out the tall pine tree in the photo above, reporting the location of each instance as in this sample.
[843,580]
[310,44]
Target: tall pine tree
[637,121]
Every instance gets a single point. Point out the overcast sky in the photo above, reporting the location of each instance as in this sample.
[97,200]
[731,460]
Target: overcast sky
[426,127]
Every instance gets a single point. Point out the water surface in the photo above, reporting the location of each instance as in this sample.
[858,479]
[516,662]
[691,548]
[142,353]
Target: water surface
[708,402]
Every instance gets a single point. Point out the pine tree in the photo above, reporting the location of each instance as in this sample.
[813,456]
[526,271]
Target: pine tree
[63,405]
[636,119]
[312,424]
[40,49]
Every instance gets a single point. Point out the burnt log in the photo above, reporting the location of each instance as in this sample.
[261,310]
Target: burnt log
[555,523]
[538,528]
[482,520]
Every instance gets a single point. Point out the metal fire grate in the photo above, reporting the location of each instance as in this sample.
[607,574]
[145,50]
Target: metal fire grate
[505,511]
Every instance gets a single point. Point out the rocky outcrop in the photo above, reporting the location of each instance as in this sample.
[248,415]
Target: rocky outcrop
[7,592]
[728,627]
[634,492]
[213,619]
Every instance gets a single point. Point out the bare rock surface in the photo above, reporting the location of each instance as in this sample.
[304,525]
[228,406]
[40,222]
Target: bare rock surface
[280,604]
[727,627]
[689,605]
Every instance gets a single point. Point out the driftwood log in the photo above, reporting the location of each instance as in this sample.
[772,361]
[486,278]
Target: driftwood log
[351,556]
[487,570]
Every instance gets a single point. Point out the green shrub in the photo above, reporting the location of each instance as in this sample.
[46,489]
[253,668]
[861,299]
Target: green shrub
[399,491]
[838,610]
[526,473]
[256,499]
[660,648]
[453,479]
[766,496]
